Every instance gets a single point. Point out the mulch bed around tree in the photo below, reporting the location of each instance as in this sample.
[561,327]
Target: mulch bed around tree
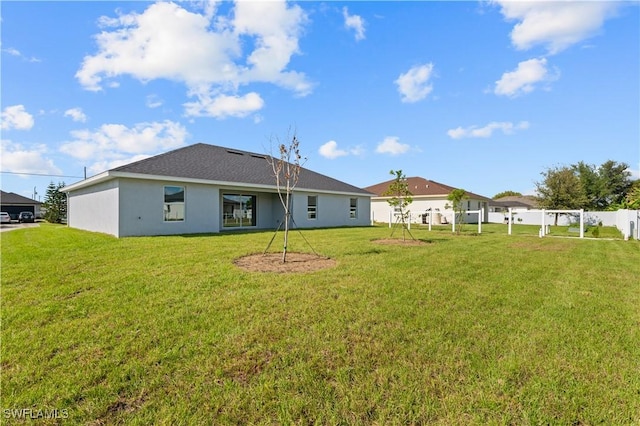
[272,262]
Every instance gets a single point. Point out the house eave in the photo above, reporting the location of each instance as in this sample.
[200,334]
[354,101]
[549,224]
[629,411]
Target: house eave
[109,175]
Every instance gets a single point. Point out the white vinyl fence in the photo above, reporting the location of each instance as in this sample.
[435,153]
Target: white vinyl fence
[627,221]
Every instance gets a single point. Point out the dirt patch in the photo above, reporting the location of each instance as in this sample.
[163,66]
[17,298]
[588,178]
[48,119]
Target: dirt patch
[400,242]
[296,262]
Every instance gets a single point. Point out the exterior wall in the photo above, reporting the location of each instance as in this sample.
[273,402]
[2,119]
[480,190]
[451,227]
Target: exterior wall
[95,208]
[142,203]
[126,207]
[332,210]
[380,210]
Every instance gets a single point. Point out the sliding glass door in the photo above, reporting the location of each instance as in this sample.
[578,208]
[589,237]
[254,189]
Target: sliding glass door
[238,210]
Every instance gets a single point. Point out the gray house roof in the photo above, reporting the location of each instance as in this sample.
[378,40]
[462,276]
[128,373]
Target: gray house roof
[16,199]
[222,165]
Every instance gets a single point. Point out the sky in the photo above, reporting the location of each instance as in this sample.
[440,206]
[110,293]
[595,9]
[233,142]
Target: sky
[483,96]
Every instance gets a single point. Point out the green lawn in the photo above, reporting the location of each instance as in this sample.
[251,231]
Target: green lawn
[466,329]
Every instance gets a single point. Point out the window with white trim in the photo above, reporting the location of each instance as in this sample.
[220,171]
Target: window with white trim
[174,203]
[353,208]
[312,207]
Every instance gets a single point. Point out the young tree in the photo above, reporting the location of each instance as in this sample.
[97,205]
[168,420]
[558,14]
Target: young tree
[286,170]
[55,203]
[400,199]
[561,189]
[456,197]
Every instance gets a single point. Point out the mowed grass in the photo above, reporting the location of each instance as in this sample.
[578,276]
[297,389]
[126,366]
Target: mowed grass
[465,329]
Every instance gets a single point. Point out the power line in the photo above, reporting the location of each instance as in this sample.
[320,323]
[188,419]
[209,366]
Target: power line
[42,174]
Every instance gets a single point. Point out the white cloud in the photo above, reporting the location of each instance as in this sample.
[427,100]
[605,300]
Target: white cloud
[16,117]
[414,84]
[507,128]
[76,114]
[211,62]
[15,52]
[19,159]
[524,78]
[154,101]
[224,106]
[556,25]
[276,29]
[116,142]
[147,46]
[354,22]
[12,51]
[391,145]
[330,150]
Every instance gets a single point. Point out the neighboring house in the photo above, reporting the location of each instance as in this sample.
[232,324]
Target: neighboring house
[205,189]
[524,202]
[428,196]
[14,204]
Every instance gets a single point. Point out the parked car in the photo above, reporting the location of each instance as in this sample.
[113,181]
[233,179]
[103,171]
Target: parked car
[5,218]
[26,217]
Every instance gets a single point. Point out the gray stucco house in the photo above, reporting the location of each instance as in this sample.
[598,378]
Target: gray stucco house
[204,188]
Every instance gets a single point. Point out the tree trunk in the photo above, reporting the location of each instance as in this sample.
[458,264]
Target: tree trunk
[287,213]
[286,234]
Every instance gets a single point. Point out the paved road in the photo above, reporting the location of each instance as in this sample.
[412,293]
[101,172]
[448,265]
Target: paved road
[15,225]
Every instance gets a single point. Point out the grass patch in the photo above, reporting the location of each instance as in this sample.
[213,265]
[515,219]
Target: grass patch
[468,329]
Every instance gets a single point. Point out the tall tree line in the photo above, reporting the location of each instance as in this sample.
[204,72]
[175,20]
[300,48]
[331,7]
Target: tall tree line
[590,187]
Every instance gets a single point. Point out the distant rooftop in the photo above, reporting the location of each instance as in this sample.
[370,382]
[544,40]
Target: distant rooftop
[13,198]
[419,186]
[527,201]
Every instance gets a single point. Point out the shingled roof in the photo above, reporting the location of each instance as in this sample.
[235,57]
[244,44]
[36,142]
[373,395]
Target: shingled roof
[227,165]
[421,187]
[13,198]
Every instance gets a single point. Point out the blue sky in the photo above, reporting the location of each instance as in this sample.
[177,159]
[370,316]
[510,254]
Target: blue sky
[478,95]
